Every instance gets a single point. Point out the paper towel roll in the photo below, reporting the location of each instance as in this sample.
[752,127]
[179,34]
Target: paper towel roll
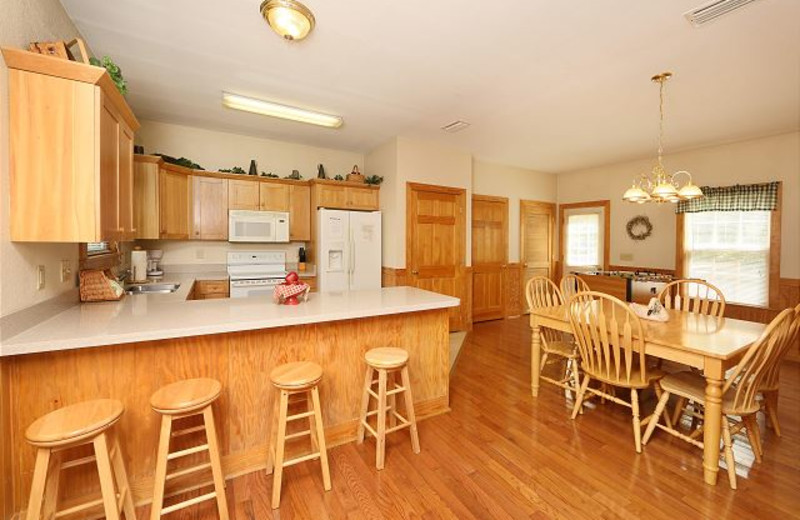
[139,265]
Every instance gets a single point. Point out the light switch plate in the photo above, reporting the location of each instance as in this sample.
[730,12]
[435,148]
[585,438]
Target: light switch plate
[66,270]
[627,257]
[39,277]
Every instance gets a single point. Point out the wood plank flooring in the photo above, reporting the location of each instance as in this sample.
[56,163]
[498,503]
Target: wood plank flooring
[502,454]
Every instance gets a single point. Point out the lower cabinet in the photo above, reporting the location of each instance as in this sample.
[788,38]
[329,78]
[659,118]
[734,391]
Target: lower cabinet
[210,290]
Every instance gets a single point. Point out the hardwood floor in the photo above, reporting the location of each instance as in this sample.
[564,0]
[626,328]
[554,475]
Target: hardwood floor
[502,454]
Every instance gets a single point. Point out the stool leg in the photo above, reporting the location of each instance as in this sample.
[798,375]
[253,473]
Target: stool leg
[280,443]
[364,404]
[216,465]
[273,433]
[51,491]
[312,421]
[39,484]
[320,436]
[101,452]
[380,450]
[391,409]
[412,418]
[160,477]
[118,465]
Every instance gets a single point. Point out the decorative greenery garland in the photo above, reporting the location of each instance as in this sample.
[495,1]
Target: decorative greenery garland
[635,226]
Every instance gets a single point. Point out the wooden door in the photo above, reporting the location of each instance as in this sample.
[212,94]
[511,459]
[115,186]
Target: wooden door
[435,244]
[299,212]
[273,196]
[126,218]
[210,201]
[109,174]
[489,256]
[243,194]
[334,197]
[536,224]
[174,208]
[362,198]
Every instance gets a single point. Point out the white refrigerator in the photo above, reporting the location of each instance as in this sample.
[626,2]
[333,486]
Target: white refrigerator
[349,245]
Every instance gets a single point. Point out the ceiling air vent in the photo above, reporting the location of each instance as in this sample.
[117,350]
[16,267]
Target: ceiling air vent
[712,10]
[455,126]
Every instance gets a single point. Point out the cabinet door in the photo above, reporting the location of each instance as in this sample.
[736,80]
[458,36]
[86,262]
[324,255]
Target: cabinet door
[210,200]
[109,174]
[145,199]
[173,201]
[127,223]
[362,198]
[243,194]
[334,197]
[300,212]
[274,196]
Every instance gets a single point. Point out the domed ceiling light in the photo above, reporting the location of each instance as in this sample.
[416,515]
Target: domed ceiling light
[289,18]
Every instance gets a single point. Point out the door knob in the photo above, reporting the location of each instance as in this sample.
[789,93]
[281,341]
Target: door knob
[414,272]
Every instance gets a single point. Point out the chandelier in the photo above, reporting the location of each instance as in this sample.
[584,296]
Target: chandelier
[658,185]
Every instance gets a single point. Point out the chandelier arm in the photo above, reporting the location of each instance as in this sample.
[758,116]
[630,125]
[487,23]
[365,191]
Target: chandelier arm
[678,173]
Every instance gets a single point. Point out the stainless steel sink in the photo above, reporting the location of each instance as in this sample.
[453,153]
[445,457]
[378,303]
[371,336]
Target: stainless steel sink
[152,288]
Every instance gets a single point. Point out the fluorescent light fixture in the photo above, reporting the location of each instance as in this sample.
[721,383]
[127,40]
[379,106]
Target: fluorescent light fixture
[268,108]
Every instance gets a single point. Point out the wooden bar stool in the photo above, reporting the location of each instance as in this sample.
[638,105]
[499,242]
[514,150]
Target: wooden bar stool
[387,361]
[84,423]
[299,378]
[174,402]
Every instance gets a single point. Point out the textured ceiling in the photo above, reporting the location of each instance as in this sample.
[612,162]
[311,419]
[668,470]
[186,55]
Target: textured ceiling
[551,86]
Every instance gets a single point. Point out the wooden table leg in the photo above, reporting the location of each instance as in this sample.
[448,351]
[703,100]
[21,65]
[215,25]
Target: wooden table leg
[712,422]
[535,357]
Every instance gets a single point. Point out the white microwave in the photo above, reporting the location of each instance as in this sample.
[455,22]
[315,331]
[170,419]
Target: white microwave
[258,226]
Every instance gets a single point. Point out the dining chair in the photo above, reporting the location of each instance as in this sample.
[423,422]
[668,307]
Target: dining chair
[771,385]
[571,285]
[541,292]
[738,392]
[610,340]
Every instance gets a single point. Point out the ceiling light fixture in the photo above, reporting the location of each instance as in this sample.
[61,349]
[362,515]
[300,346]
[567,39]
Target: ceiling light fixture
[658,186]
[268,108]
[289,18]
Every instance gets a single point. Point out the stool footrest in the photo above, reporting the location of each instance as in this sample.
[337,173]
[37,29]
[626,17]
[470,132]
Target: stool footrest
[187,451]
[187,431]
[187,471]
[297,435]
[396,390]
[78,462]
[375,412]
[121,499]
[78,508]
[298,460]
[302,415]
[187,503]
[369,428]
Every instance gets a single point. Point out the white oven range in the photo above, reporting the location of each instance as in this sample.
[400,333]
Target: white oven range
[255,273]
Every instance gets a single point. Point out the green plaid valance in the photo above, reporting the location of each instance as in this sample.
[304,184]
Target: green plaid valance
[742,197]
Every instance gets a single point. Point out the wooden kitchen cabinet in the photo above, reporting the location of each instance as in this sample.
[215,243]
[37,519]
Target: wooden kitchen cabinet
[328,196]
[243,194]
[362,198]
[174,208]
[145,196]
[273,196]
[210,208]
[344,195]
[210,289]
[300,212]
[71,161]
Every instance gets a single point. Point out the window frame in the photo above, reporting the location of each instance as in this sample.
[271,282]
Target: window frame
[773,296]
[605,207]
[104,260]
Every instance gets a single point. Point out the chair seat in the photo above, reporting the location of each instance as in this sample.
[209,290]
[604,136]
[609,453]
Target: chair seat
[73,423]
[185,396]
[653,374]
[296,376]
[386,357]
[693,386]
[561,348]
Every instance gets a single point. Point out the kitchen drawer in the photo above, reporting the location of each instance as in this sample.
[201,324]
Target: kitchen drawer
[210,289]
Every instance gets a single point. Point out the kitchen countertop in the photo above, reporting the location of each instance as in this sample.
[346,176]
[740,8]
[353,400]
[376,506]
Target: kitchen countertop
[147,317]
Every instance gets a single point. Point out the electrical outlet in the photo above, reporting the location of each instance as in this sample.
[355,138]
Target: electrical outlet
[200,253]
[66,270]
[626,257]
[39,277]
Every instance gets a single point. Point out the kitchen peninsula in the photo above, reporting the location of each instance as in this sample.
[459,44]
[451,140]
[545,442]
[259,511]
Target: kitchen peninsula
[126,350]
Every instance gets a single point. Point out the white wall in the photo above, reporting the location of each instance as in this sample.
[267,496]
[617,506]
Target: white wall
[758,160]
[21,22]
[516,184]
[215,150]
[382,161]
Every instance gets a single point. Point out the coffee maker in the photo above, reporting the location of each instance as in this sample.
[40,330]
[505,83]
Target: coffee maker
[153,263]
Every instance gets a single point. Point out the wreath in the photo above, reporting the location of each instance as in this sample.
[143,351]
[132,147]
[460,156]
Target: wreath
[639,227]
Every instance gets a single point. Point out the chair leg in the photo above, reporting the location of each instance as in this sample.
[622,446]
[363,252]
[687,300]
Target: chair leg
[101,452]
[651,426]
[118,465]
[160,477]
[771,410]
[678,412]
[729,461]
[320,439]
[751,428]
[410,415]
[576,381]
[280,445]
[364,403]
[39,484]
[581,392]
[216,464]
[543,362]
[380,448]
[637,424]
[659,392]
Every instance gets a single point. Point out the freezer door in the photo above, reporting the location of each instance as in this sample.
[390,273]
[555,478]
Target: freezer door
[365,245]
[334,250]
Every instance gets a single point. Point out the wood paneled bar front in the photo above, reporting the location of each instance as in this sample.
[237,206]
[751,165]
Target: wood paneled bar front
[37,383]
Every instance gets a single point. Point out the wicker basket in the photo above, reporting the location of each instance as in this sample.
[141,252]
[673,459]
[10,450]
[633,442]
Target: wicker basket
[355,177]
[95,286]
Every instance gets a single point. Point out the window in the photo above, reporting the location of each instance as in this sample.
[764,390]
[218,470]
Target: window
[583,240]
[98,248]
[730,249]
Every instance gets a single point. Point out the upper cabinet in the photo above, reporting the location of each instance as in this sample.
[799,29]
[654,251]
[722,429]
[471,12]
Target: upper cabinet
[273,196]
[210,201]
[174,207]
[299,212]
[344,195]
[71,161]
[243,194]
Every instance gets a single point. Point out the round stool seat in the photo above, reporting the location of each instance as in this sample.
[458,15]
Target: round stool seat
[185,396]
[296,376]
[73,423]
[386,357]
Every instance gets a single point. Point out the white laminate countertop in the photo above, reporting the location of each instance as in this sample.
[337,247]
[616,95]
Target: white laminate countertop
[162,316]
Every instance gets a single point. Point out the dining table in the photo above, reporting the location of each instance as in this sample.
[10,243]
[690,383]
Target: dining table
[708,343]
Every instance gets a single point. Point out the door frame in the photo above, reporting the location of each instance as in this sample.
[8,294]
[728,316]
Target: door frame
[504,263]
[551,206]
[605,205]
